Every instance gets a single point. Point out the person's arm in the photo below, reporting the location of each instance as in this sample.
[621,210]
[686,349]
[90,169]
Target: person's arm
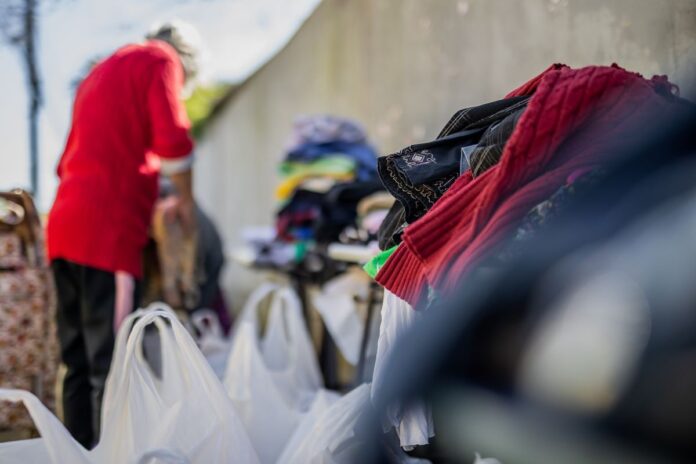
[185,208]
[125,290]
[171,141]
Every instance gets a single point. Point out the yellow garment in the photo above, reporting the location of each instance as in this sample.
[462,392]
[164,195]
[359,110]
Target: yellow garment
[286,188]
[337,167]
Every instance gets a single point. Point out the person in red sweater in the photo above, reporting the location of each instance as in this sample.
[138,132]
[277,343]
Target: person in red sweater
[128,126]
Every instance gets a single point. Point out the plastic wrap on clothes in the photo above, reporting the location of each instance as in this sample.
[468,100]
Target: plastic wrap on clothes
[413,423]
[182,417]
[273,380]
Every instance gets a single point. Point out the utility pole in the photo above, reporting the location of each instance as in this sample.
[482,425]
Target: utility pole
[34,86]
[18,27]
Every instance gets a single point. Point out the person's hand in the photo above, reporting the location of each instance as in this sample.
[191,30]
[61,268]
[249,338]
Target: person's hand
[175,208]
[167,207]
[186,214]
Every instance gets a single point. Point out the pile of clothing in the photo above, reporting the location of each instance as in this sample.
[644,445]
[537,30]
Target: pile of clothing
[493,168]
[328,168]
[495,175]
[585,329]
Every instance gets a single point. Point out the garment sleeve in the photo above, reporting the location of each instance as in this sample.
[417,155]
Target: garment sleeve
[169,123]
[171,166]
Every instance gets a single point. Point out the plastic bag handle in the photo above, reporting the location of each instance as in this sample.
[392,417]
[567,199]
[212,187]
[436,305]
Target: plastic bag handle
[189,368]
[297,331]
[129,361]
[179,345]
[284,315]
[133,355]
[251,307]
[302,345]
[116,376]
[60,445]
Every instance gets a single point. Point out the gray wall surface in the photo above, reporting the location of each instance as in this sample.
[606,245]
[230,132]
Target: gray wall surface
[403,67]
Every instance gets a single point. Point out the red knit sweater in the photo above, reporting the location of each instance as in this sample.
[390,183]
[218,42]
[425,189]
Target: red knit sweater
[574,120]
[127,113]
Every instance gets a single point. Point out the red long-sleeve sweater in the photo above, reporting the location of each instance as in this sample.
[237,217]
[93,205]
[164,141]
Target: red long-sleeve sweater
[575,120]
[127,113]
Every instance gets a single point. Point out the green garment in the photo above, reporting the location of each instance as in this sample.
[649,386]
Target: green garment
[327,165]
[373,266]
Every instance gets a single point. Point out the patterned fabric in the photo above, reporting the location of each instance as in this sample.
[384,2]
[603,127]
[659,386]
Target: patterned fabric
[28,343]
[420,174]
[415,199]
[11,251]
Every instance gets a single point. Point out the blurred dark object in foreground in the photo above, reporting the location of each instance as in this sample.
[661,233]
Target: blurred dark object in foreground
[583,347]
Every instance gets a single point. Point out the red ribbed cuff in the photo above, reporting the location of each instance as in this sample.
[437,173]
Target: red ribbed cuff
[404,276]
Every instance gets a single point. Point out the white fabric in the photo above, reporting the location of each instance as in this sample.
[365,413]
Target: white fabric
[337,307]
[272,381]
[414,425]
[185,417]
[172,166]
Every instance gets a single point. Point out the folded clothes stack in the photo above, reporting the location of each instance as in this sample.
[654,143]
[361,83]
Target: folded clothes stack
[328,168]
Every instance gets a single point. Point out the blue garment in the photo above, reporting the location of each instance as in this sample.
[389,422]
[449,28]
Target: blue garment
[363,154]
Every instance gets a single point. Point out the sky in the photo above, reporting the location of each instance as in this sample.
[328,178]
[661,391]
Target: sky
[238,37]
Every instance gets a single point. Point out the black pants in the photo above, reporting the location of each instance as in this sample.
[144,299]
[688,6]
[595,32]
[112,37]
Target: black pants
[85,319]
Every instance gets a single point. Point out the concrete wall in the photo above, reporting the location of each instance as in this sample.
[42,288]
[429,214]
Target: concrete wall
[402,67]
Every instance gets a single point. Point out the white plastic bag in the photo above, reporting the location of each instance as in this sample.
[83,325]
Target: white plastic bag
[322,402]
[337,306]
[329,434]
[272,381]
[24,451]
[329,439]
[186,412]
[56,445]
[184,417]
